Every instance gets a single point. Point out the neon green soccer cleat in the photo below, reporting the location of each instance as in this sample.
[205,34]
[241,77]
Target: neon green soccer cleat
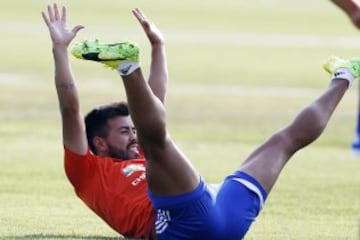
[111,55]
[334,63]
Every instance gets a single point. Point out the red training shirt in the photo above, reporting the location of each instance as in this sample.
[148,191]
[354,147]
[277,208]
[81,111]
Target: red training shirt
[115,190]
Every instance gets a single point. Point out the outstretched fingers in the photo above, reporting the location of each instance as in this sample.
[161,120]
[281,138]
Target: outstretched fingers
[143,20]
[153,33]
[45,18]
[56,19]
[56,12]
[77,28]
[63,14]
[50,13]
[53,14]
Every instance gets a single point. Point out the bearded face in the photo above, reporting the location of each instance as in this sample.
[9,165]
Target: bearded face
[120,142]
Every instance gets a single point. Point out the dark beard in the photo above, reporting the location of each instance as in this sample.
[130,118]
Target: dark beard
[118,154]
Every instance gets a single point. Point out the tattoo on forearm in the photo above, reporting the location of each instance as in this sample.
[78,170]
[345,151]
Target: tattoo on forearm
[64,86]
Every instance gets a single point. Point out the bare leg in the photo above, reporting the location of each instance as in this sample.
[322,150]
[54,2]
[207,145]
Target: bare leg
[267,161]
[168,170]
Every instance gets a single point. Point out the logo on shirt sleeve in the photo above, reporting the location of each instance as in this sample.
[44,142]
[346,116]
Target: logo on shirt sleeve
[132,168]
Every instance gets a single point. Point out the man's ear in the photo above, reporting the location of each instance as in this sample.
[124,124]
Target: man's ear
[100,144]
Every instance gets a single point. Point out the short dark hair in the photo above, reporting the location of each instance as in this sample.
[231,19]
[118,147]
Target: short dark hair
[96,121]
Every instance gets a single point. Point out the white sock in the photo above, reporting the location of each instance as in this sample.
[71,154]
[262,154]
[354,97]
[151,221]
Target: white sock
[344,73]
[127,68]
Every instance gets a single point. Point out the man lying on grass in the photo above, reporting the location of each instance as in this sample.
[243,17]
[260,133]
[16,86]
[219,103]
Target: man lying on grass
[107,169]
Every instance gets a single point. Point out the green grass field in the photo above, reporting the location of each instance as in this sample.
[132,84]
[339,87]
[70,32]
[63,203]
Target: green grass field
[239,70]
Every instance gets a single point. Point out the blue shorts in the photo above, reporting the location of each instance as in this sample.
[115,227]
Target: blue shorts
[205,213]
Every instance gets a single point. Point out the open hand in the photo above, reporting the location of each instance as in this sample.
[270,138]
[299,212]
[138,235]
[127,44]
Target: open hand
[56,23]
[152,32]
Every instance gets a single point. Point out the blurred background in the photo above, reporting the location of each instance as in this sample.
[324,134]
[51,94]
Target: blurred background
[239,70]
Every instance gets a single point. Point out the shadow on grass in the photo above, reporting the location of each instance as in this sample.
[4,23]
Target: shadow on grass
[62,236]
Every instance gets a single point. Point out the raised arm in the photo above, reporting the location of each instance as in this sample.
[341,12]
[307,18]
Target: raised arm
[351,8]
[158,69]
[74,136]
